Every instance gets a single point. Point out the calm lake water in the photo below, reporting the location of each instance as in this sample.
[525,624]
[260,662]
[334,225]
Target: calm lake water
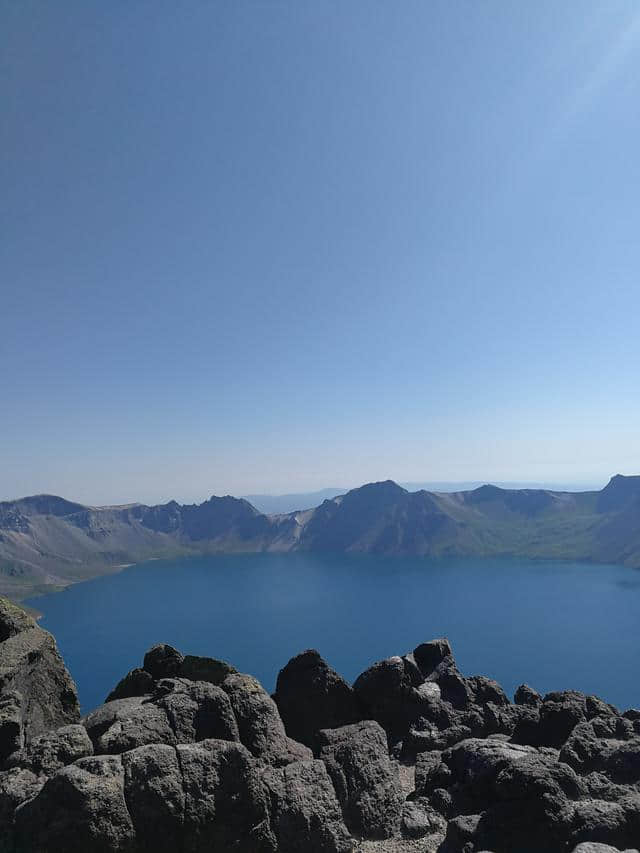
[554,625]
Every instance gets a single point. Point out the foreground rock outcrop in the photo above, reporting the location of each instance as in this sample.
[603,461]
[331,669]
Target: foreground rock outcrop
[187,755]
[36,691]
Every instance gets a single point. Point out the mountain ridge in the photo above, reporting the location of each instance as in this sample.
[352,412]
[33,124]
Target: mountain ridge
[48,542]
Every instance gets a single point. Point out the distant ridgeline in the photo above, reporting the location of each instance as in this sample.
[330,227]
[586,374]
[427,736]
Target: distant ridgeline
[47,542]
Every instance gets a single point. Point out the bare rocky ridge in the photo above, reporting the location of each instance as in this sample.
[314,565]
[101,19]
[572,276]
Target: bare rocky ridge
[189,755]
[47,542]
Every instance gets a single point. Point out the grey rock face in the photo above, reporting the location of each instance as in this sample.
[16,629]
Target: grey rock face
[310,696]
[16,786]
[526,695]
[559,714]
[11,723]
[226,806]
[420,819]
[387,692]
[163,661]
[429,656]
[55,749]
[198,668]
[607,745]
[81,808]
[205,764]
[306,816]
[13,620]
[197,710]
[127,723]
[365,781]
[155,797]
[137,682]
[259,724]
[36,691]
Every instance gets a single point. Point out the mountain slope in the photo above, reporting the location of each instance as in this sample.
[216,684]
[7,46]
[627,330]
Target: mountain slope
[47,542]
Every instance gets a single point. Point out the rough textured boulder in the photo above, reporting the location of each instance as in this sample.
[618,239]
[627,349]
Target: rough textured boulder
[11,723]
[36,691]
[604,745]
[424,702]
[137,682]
[196,710]
[526,695]
[365,781]
[193,756]
[306,816]
[259,724]
[127,723]
[82,807]
[560,712]
[16,786]
[154,793]
[226,807]
[432,656]
[52,751]
[310,696]
[163,661]
[420,819]
[198,668]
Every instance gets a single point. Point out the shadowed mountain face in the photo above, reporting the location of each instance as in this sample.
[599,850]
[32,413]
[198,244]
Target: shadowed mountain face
[47,542]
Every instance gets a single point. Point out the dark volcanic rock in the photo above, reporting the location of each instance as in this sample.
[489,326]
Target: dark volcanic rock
[197,710]
[431,772]
[560,712]
[16,786]
[194,756]
[163,661]
[419,819]
[259,724]
[526,695]
[13,620]
[127,723]
[81,808]
[365,781]
[55,749]
[137,682]
[305,814]
[225,805]
[604,745]
[198,668]
[155,797]
[429,656]
[36,691]
[310,696]
[553,721]
[387,694]
[521,796]
[11,723]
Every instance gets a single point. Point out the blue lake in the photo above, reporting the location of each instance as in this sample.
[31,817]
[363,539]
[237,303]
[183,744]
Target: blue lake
[555,625]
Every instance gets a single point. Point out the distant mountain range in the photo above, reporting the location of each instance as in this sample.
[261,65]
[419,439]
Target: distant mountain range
[47,542]
[270,504]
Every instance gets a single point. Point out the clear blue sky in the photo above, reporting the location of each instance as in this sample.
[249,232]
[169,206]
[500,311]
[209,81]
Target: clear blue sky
[272,246]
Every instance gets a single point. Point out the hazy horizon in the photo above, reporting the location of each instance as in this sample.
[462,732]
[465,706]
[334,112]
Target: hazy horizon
[258,248]
[412,486]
